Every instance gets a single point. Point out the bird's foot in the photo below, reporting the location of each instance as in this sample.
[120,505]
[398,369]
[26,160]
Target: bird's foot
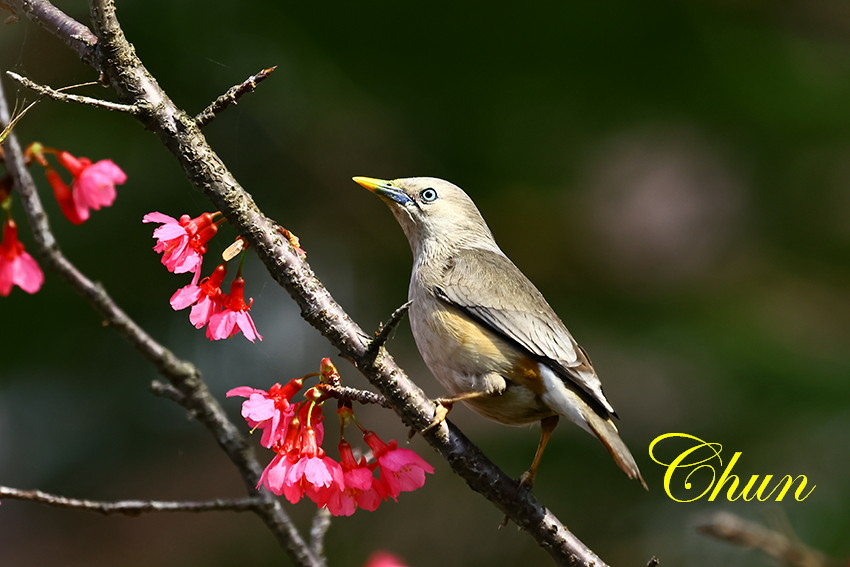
[441,411]
[526,481]
[444,406]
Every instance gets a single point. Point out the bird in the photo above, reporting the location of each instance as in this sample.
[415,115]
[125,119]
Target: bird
[484,330]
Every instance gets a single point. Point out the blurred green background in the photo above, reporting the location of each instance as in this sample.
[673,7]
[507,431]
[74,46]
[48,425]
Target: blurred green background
[672,175]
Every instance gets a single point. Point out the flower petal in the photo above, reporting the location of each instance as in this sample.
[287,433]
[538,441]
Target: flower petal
[246,325]
[244,391]
[156,216]
[27,274]
[184,297]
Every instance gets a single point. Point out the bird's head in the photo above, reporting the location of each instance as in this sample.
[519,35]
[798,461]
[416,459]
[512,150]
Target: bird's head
[432,212]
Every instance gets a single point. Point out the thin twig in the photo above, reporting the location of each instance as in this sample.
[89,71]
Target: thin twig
[318,530]
[79,99]
[16,116]
[738,531]
[355,395]
[132,507]
[383,334]
[165,390]
[232,95]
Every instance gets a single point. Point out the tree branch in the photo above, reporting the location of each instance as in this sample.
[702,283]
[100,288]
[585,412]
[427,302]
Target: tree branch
[383,334]
[360,396]
[132,507]
[318,530]
[232,95]
[179,132]
[787,550]
[166,390]
[66,29]
[65,97]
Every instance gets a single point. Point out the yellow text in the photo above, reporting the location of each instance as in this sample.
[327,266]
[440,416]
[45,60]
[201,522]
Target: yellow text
[692,475]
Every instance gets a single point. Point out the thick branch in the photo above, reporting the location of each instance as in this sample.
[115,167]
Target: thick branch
[132,507]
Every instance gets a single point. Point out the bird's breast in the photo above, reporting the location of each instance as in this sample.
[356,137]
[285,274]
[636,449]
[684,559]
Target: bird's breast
[466,357]
[447,337]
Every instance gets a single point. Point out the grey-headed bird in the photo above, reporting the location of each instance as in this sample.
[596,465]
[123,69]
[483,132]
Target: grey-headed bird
[483,329]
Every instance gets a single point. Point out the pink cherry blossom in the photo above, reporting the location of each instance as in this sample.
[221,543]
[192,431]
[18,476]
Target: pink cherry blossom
[318,478]
[384,559]
[182,242]
[275,474]
[305,432]
[228,322]
[93,186]
[402,470]
[259,406]
[303,471]
[361,486]
[301,467]
[269,411]
[17,267]
[203,310]
[234,317]
[188,294]
[63,196]
[206,297]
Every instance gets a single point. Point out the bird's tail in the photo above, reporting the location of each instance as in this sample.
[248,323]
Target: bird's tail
[606,432]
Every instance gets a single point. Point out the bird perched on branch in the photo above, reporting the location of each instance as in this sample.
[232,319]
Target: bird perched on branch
[486,333]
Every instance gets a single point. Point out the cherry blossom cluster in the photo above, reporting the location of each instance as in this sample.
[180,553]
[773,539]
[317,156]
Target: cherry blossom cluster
[92,187]
[183,243]
[302,468]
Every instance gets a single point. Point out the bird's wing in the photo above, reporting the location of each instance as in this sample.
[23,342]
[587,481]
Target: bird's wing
[490,289]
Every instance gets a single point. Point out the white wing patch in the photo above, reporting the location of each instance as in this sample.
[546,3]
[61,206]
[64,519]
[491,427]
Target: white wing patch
[563,400]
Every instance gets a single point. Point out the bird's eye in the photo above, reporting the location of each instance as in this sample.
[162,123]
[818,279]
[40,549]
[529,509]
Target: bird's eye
[428,195]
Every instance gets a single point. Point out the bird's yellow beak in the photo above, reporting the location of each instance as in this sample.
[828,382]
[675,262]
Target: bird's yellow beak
[384,189]
[370,183]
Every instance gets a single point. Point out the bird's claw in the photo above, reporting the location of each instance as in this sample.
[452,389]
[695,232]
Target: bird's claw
[526,481]
[444,406]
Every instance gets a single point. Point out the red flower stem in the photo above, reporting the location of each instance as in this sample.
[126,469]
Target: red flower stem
[310,409]
[310,375]
[241,263]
